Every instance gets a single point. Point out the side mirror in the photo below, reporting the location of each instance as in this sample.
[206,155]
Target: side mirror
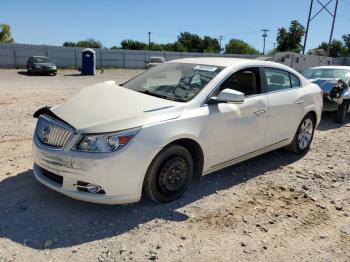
[228,96]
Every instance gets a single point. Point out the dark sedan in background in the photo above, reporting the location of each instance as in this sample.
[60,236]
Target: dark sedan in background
[40,65]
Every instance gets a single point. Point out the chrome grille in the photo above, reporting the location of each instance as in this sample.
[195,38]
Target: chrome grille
[52,132]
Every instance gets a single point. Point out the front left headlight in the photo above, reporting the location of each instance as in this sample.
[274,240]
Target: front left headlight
[104,143]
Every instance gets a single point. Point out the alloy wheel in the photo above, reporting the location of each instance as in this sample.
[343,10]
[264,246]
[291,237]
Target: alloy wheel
[305,133]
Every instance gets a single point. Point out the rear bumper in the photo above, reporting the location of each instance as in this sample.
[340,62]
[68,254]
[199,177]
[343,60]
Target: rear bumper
[44,70]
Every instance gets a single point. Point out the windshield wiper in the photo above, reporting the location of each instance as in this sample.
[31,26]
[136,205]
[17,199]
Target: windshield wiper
[162,96]
[153,94]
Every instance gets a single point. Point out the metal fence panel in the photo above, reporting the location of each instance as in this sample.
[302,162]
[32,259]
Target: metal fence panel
[16,55]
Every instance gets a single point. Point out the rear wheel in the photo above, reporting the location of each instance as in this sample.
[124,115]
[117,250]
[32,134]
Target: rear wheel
[169,174]
[341,112]
[304,135]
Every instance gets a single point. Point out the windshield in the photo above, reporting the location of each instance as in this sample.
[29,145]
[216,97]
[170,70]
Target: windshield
[155,60]
[317,73]
[174,81]
[40,59]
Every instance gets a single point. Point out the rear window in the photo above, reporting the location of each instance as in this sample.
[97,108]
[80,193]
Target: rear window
[155,60]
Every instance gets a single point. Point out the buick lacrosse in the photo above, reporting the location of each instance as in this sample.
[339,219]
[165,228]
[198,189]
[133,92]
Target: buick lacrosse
[170,124]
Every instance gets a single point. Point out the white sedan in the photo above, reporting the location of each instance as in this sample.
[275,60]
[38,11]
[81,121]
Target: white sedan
[174,122]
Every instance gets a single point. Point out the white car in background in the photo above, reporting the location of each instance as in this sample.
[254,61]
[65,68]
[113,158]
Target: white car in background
[334,82]
[154,61]
[174,122]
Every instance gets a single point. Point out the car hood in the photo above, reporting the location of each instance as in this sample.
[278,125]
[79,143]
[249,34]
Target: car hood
[44,64]
[107,107]
[326,84]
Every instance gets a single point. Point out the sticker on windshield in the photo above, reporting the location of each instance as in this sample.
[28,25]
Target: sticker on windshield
[205,68]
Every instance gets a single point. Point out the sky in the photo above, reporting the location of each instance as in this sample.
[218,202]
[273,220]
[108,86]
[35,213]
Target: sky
[53,22]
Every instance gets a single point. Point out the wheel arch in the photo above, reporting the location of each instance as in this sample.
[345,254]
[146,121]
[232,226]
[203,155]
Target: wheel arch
[195,150]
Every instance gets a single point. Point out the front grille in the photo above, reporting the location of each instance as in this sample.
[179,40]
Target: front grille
[52,132]
[51,176]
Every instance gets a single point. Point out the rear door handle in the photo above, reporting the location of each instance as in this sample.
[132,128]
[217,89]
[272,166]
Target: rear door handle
[260,112]
[300,102]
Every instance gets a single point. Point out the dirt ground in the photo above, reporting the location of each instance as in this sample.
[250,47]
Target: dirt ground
[277,207]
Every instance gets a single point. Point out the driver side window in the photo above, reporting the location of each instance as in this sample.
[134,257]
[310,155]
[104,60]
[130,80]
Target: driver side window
[246,81]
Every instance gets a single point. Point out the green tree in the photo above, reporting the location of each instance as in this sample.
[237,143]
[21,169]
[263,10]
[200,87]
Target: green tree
[5,34]
[337,48]
[210,45]
[190,42]
[346,39]
[132,44]
[69,44]
[290,40]
[236,46]
[89,43]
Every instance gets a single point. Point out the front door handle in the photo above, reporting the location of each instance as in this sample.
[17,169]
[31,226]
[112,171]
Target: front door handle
[300,102]
[260,112]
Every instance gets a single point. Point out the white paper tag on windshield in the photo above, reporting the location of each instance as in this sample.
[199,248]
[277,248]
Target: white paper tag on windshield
[205,68]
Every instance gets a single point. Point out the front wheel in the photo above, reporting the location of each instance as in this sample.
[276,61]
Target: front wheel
[169,174]
[304,135]
[341,112]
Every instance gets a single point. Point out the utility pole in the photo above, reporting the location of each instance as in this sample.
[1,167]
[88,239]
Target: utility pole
[310,18]
[264,36]
[149,39]
[220,39]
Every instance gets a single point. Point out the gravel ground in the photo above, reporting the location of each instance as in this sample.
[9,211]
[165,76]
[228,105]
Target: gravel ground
[277,207]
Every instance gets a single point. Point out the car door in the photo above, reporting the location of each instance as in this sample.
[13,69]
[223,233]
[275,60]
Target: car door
[238,129]
[285,99]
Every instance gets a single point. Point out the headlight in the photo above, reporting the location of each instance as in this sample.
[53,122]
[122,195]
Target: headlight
[104,143]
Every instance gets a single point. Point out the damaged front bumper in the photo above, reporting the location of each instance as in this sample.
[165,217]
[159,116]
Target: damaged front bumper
[119,175]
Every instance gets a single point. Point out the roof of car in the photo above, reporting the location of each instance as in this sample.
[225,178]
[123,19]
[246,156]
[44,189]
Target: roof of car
[332,67]
[41,56]
[224,61]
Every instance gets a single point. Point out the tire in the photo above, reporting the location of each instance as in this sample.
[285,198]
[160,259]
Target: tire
[169,174]
[304,135]
[341,112]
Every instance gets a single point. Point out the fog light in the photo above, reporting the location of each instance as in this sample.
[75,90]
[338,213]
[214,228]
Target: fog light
[93,188]
[90,188]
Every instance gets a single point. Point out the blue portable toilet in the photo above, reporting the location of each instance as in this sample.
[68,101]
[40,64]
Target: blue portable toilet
[88,63]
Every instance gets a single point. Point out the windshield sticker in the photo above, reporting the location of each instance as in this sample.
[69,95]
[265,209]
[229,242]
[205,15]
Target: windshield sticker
[205,68]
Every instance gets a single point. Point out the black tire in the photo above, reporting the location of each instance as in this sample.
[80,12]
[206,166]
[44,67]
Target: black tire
[169,174]
[295,146]
[341,112]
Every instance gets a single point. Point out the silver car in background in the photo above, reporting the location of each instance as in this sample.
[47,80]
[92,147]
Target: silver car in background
[153,61]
